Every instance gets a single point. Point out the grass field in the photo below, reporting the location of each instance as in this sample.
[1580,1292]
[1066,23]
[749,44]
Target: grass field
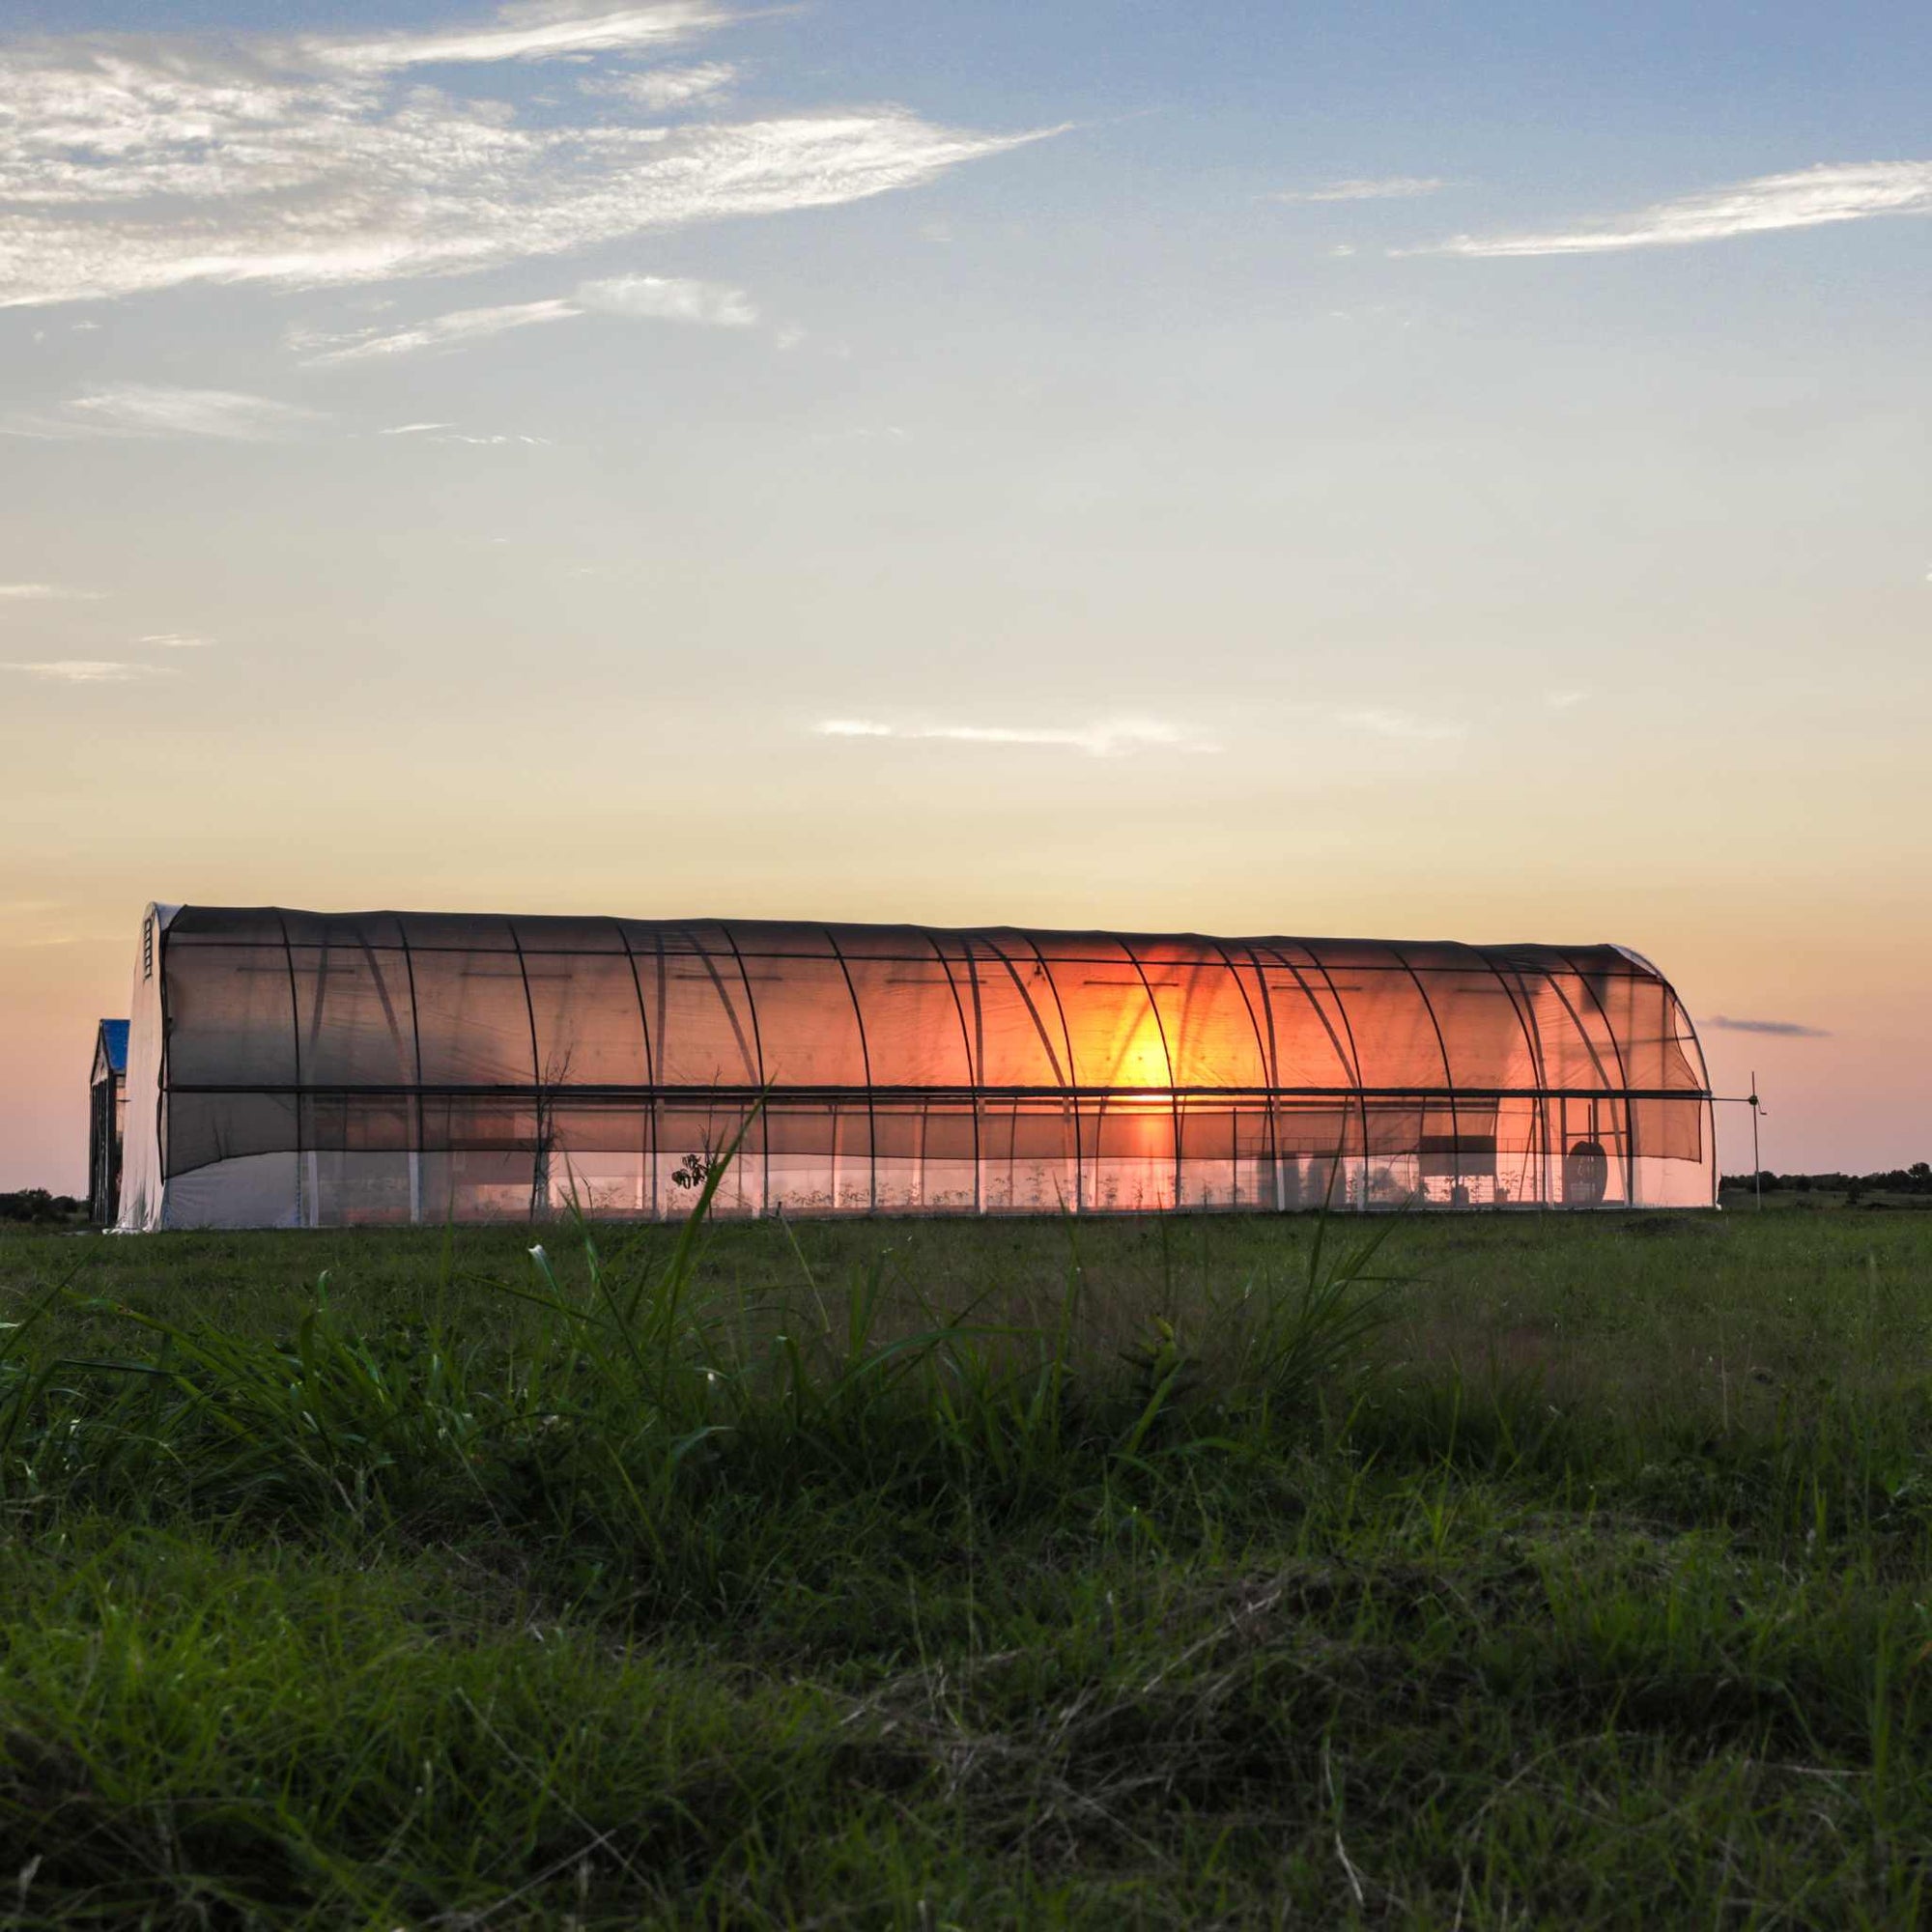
[1524,1572]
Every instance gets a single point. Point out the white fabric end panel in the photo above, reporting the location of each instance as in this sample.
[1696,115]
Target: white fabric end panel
[141,1188]
[254,1190]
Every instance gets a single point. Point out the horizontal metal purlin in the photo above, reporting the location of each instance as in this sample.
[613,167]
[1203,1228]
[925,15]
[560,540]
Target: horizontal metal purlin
[960,1095]
[352,948]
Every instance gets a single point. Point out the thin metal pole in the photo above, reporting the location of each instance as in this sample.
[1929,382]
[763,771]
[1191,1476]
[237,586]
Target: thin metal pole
[871,1114]
[1167,1060]
[1264,1060]
[647,1150]
[1071,1099]
[758,1049]
[421,1133]
[966,1046]
[1757,1165]
[540,1144]
[306,1185]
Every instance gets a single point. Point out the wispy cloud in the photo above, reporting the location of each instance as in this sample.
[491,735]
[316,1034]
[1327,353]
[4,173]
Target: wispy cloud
[132,164]
[538,31]
[153,409]
[442,331]
[442,432]
[1777,1029]
[660,298]
[664,88]
[1564,701]
[1106,738]
[89,671]
[1113,737]
[669,299]
[46,593]
[1386,187]
[646,297]
[174,640]
[1809,198]
[1381,722]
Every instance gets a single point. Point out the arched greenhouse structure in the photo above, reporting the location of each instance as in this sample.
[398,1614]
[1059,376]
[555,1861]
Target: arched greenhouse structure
[302,1069]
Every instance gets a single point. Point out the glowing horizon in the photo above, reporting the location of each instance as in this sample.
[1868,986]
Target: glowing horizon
[649,460]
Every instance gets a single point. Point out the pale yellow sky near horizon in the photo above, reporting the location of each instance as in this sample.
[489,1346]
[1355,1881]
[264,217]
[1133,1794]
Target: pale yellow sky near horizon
[1834,1102]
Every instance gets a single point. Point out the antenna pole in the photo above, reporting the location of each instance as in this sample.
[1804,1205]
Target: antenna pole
[1757,1166]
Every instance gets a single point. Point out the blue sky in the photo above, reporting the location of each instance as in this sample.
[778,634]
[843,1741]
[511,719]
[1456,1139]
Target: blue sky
[1419,470]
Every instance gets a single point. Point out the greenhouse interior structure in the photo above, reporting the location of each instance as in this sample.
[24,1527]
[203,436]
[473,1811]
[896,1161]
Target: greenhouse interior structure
[295,1068]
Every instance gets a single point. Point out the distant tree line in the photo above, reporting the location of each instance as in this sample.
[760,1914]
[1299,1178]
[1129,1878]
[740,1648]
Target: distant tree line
[1914,1180]
[39,1208]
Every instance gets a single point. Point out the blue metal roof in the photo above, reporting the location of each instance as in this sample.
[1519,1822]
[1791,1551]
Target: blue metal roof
[114,1035]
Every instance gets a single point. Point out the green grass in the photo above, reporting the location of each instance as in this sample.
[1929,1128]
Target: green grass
[1134,1574]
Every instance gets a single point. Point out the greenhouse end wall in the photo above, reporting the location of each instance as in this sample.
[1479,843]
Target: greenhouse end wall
[300,1069]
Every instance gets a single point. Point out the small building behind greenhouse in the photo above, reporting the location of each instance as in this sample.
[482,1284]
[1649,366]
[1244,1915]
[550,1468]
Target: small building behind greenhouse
[107,1120]
[291,1069]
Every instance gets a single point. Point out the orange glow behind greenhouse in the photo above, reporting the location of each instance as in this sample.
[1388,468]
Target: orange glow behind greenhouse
[294,1069]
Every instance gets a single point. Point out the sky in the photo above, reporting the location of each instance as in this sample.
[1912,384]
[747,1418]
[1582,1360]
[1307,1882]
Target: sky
[1411,470]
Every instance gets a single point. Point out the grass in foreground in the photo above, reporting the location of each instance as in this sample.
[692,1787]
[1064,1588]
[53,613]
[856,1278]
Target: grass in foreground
[1145,1572]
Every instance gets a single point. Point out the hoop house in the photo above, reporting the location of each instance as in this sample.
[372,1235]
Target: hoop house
[304,1069]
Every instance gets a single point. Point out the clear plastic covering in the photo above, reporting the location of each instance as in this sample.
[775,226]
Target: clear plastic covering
[325,1070]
